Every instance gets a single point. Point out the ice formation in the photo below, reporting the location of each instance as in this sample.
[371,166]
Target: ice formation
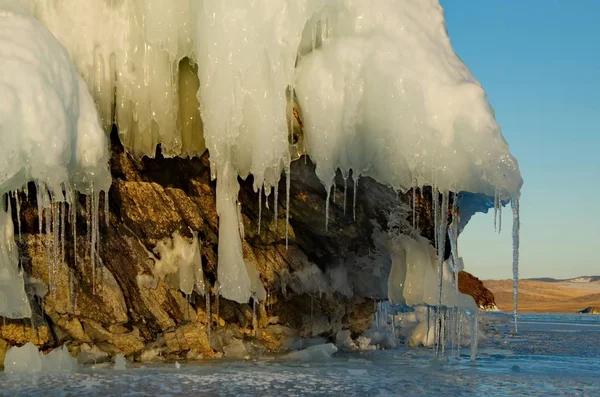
[179,264]
[51,135]
[27,358]
[324,351]
[371,87]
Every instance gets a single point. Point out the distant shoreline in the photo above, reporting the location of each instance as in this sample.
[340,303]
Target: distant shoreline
[547,295]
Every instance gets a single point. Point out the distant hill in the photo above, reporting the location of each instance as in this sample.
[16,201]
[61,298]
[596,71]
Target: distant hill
[548,294]
[582,279]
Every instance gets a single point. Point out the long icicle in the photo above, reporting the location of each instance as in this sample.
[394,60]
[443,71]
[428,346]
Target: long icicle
[414,207]
[288,185]
[106,210]
[259,208]
[18,207]
[496,201]
[96,218]
[62,235]
[443,222]
[208,316]
[474,336]
[327,209]
[275,204]
[345,191]
[74,229]
[515,236]
[355,178]
[88,220]
[499,215]
[47,211]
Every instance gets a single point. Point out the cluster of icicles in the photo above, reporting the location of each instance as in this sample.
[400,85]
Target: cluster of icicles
[57,220]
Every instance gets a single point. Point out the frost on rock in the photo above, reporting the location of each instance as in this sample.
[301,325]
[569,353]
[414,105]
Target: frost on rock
[51,135]
[27,358]
[180,265]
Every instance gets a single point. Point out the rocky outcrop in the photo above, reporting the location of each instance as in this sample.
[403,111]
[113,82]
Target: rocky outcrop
[322,281]
[591,310]
[471,285]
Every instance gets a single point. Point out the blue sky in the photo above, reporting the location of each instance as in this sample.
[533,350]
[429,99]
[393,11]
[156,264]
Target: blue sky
[539,61]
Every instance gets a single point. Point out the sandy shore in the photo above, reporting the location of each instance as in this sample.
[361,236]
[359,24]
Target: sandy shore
[544,296]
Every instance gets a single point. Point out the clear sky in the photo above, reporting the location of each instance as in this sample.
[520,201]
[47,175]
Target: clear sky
[539,61]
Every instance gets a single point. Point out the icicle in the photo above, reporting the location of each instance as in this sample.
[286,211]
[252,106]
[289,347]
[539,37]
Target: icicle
[496,200]
[453,236]
[443,330]
[414,207]
[345,190]
[106,210]
[474,336]
[18,206]
[208,317]
[62,211]
[92,236]
[217,293]
[434,206]
[441,244]
[515,236]
[499,215]
[88,221]
[55,230]
[40,207]
[48,254]
[288,185]
[327,209]
[74,229]
[96,226]
[259,209]
[460,330]
[254,321]
[355,177]
[240,220]
[334,191]
[275,202]
[428,325]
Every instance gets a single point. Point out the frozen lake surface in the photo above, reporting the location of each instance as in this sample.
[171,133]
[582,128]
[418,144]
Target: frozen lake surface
[551,355]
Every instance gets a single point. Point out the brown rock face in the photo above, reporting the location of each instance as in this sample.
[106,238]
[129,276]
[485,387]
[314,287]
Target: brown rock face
[471,285]
[323,281]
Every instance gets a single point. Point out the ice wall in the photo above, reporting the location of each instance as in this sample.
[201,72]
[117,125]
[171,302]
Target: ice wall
[50,134]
